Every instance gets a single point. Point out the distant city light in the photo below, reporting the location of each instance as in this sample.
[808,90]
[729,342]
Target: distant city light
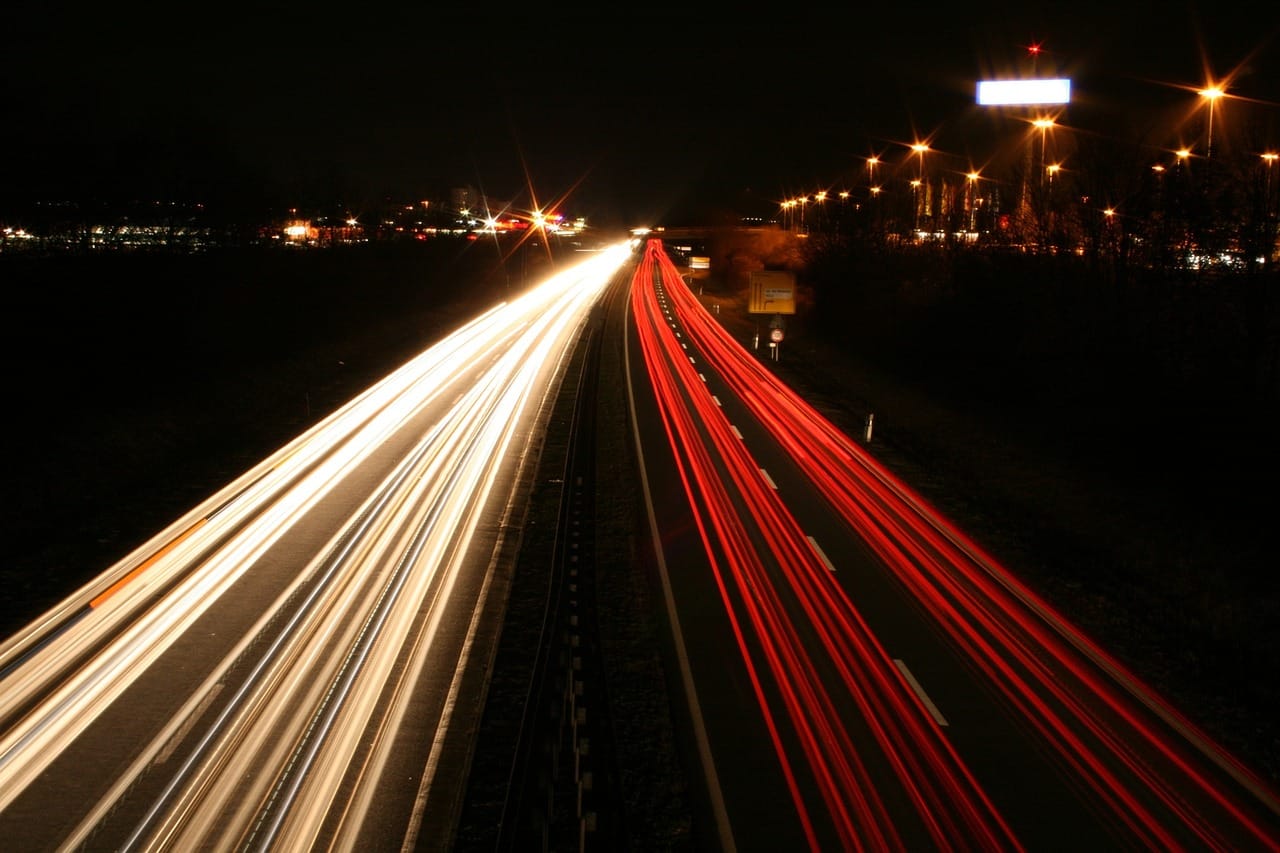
[1043,91]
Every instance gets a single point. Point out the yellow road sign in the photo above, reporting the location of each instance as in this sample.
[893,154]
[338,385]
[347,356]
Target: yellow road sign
[772,292]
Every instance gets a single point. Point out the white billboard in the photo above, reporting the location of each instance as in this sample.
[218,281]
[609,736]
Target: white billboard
[1055,90]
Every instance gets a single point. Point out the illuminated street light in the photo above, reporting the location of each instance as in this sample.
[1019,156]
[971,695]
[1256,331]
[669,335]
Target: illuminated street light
[920,149]
[1269,158]
[915,203]
[1110,236]
[971,200]
[1211,94]
[820,212]
[1044,125]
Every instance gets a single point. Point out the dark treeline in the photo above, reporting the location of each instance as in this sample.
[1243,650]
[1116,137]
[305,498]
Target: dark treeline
[1020,324]
[147,321]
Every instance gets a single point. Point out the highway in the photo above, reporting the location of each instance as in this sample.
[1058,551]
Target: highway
[297,662]
[856,672]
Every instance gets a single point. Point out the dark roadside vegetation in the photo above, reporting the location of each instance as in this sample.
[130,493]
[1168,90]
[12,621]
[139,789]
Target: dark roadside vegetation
[1106,434]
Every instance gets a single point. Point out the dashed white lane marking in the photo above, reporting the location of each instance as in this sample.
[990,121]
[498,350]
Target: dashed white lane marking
[822,555]
[924,697]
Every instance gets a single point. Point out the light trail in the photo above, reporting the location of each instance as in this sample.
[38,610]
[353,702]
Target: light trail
[292,727]
[1160,778]
[949,803]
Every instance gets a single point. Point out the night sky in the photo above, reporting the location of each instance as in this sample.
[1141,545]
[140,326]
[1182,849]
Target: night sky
[626,112]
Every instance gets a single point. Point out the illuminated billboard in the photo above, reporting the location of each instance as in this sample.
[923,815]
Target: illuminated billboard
[1047,91]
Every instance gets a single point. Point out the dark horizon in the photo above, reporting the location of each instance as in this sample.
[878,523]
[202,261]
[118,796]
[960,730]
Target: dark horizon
[670,111]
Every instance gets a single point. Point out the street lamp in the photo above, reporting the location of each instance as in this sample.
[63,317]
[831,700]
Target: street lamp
[1045,125]
[971,200]
[1211,94]
[1109,235]
[920,149]
[915,203]
[1269,158]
